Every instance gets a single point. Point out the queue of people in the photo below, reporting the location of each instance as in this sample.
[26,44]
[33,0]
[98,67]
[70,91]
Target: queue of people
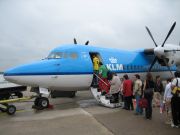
[151,91]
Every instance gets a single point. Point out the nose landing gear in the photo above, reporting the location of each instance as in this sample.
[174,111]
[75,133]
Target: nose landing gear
[41,103]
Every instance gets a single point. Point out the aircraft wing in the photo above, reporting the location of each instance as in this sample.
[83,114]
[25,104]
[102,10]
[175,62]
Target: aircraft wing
[5,85]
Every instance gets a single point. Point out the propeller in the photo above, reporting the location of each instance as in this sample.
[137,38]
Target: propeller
[152,64]
[165,61]
[87,42]
[169,33]
[156,58]
[75,42]
[151,36]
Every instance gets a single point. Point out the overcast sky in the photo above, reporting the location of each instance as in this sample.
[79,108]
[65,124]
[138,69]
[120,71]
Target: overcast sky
[29,29]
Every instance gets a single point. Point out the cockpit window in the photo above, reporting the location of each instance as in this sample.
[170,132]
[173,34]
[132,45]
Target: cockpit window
[55,55]
[59,55]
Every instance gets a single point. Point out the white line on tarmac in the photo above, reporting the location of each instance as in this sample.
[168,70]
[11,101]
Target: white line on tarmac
[101,126]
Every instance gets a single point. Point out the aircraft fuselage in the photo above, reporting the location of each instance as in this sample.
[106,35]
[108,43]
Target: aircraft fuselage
[70,67]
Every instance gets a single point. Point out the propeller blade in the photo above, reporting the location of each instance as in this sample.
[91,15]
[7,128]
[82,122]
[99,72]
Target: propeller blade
[168,67]
[151,36]
[87,42]
[172,28]
[152,64]
[75,42]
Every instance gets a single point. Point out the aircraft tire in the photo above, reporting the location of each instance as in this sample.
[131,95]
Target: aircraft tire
[43,103]
[11,109]
[36,102]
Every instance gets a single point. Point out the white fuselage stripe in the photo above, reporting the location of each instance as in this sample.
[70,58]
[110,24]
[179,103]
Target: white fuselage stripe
[69,82]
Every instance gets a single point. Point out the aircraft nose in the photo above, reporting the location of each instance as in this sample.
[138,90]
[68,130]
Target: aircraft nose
[19,74]
[11,74]
[8,77]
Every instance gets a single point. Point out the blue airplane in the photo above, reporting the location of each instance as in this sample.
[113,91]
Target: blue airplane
[70,67]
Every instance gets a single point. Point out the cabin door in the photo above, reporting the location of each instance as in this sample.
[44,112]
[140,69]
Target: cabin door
[96,54]
[95,78]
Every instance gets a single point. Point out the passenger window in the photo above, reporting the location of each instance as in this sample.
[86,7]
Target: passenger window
[73,55]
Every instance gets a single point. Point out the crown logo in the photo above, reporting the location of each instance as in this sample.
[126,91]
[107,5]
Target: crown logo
[113,60]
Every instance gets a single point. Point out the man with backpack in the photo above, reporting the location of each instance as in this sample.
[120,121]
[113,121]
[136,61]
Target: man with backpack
[175,100]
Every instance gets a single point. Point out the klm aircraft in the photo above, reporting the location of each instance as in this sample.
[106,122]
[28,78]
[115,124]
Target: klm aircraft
[70,67]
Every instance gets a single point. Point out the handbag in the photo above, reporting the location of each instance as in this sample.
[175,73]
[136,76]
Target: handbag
[143,103]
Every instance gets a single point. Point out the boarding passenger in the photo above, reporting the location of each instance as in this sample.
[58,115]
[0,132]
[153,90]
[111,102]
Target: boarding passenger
[121,89]
[114,88]
[137,89]
[96,69]
[175,100]
[158,91]
[167,101]
[103,82]
[127,92]
[148,91]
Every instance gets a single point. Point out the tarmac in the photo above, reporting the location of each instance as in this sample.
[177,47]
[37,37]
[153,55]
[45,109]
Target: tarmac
[81,115]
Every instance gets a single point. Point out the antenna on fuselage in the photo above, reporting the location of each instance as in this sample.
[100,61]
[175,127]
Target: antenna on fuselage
[87,42]
[75,42]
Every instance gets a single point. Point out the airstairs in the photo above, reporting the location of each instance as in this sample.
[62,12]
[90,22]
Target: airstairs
[103,100]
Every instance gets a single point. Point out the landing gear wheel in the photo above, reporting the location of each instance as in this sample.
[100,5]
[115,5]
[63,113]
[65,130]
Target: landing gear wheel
[36,101]
[41,103]
[11,109]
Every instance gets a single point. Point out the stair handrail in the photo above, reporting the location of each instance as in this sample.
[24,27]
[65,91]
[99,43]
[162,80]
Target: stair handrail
[100,79]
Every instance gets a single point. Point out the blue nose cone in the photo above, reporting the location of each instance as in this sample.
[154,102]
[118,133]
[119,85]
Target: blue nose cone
[43,67]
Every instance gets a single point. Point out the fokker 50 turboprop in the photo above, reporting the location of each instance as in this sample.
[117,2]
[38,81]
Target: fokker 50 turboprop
[70,67]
